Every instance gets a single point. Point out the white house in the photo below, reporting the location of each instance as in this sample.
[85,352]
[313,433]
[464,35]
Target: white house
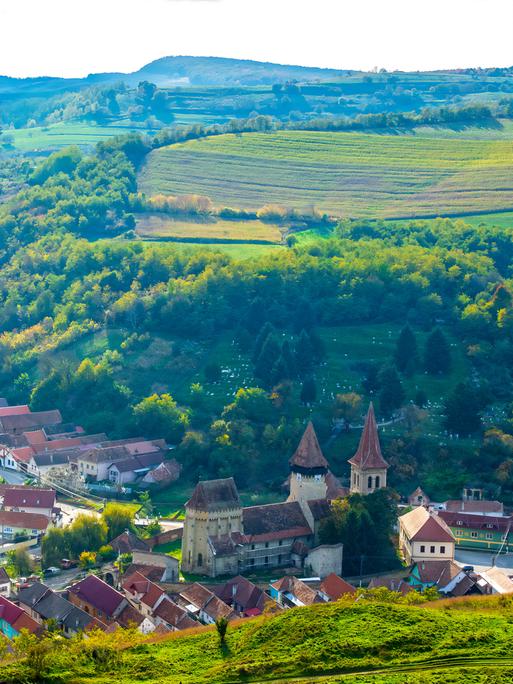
[425,536]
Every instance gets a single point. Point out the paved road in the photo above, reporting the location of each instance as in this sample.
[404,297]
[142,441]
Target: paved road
[481,560]
[12,477]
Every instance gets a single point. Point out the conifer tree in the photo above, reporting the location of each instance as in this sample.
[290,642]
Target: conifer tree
[304,353]
[406,352]
[267,359]
[391,395]
[437,355]
[264,333]
[308,391]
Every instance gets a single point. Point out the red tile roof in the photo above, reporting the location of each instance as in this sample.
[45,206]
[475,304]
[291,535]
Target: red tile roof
[174,615]
[17,617]
[29,497]
[14,410]
[368,454]
[308,455]
[138,584]
[297,588]
[24,521]
[98,593]
[419,525]
[214,495]
[335,587]
[476,522]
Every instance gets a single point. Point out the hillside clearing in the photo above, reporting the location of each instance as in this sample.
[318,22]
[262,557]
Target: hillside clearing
[346,174]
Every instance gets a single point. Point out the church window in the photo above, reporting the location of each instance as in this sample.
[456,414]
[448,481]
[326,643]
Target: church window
[200,559]
[432,549]
[369,482]
[377,481]
[354,478]
[422,549]
[442,549]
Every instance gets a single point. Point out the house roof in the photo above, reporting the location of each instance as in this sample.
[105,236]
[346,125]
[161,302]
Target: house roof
[98,593]
[151,572]
[167,471]
[463,586]
[196,594]
[140,462]
[27,421]
[335,587]
[416,493]
[334,488]
[243,592]
[498,580]
[439,572]
[215,495]
[476,522]
[173,615]
[226,544]
[16,616]
[24,521]
[274,521]
[53,606]
[293,585]
[368,455]
[138,584]
[320,508]
[77,620]
[127,541]
[29,497]
[51,458]
[30,595]
[420,525]
[308,455]
[455,506]
[390,583]
[4,577]
[14,410]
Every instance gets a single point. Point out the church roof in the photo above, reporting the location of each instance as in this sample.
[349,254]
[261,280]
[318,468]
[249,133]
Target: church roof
[308,455]
[368,454]
[215,495]
[274,521]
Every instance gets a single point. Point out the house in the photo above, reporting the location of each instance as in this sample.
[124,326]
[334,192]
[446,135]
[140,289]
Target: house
[334,587]
[16,523]
[368,467]
[290,592]
[479,507]
[495,581]
[424,535]
[418,498]
[108,605]
[446,575]
[13,619]
[134,467]
[479,532]
[94,463]
[144,593]
[391,583]
[166,565]
[244,597]
[128,542]
[200,602]
[5,583]
[18,423]
[172,616]
[221,537]
[165,473]
[30,500]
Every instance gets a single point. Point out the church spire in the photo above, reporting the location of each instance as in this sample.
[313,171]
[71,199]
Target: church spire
[368,454]
[308,455]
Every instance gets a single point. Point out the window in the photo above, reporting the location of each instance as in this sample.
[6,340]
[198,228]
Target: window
[266,560]
[280,542]
[377,482]
[252,547]
[252,561]
[200,559]
[422,549]
[442,549]
[318,478]
[459,522]
[369,482]
[490,526]
[266,545]
[279,560]
[489,535]
[298,476]
[431,549]
[473,535]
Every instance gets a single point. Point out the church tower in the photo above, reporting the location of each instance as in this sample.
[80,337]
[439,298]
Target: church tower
[213,511]
[368,467]
[308,470]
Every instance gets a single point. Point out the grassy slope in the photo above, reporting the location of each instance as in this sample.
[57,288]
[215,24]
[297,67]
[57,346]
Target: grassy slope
[348,174]
[330,643]
[160,226]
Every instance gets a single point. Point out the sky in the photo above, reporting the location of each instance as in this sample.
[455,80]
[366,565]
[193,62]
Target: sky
[77,37]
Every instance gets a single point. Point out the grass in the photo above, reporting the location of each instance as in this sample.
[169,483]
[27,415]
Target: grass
[160,226]
[339,642]
[346,174]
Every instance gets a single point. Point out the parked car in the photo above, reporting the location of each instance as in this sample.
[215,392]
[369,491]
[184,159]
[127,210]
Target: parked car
[67,564]
[52,571]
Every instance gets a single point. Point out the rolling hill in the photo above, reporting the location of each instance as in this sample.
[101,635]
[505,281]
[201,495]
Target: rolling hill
[345,174]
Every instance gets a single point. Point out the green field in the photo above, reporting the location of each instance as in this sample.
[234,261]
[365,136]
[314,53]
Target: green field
[346,174]
[385,643]
[160,226]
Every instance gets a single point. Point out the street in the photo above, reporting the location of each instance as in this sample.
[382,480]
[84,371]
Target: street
[481,560]
[12,476]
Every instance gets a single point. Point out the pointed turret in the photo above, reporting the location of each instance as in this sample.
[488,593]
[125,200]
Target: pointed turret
[308,456]
[368,467]
[368,454]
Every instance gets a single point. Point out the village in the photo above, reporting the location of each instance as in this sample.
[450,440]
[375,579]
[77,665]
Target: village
[130,584]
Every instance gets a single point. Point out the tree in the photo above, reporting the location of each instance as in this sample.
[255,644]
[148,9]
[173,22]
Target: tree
[54,546]
[267,359]
[117,518]
[420,398]
[159,416]
[462,410]
[106,553]
[21,562]
[222,627]
[266,330]
[347,407]
[437,354]
[87,560]
[304,353]
[406,354]
[371,382]
[146,504]
[212,372]
[391,395]
[308,391]
[87,533]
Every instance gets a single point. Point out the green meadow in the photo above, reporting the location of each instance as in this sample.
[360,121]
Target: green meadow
[345,174]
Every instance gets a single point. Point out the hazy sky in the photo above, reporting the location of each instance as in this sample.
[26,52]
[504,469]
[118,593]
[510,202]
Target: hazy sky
[76,37]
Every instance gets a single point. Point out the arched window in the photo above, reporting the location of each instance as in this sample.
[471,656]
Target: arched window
[200,559]
[377,482]
[369,482]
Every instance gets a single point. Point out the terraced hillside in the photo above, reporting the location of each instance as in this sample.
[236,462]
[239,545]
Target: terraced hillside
[346,174]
